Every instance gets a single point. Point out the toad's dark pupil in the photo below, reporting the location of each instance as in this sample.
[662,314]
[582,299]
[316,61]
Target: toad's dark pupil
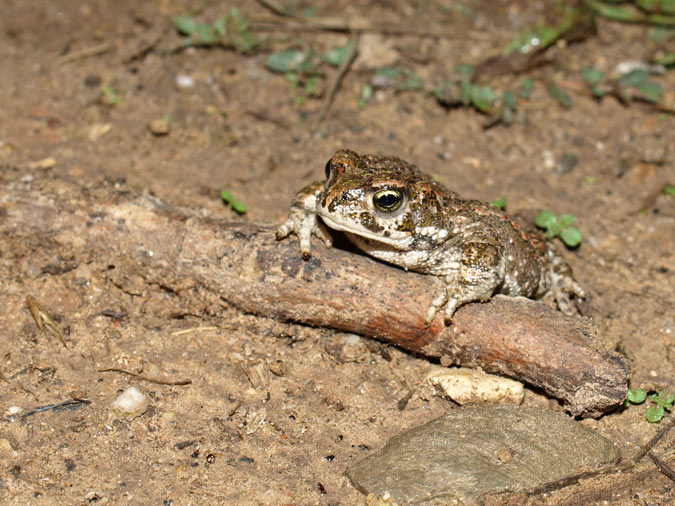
[388,200]
[328,168]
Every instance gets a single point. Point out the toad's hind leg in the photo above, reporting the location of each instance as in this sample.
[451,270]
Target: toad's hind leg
[479,274]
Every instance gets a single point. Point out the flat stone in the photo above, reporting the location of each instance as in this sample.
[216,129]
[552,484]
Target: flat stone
[474,450]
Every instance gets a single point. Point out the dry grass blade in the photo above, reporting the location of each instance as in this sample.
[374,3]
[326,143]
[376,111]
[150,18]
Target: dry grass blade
[337,79]
[82,53]
[663,467]
[44,321]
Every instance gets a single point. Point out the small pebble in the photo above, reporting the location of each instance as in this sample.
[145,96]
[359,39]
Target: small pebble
[130,404]
[159,127]
[184,81]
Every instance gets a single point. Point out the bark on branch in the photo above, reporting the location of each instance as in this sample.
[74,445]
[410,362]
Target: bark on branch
[244,264]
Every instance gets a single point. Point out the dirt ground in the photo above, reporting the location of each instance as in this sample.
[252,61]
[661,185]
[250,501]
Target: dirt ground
[328,398]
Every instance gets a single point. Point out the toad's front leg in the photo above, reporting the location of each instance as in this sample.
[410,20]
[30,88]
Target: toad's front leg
[476,277]
[303,220]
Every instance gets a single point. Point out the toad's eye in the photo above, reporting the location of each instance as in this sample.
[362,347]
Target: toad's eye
[388,200]
[329,166]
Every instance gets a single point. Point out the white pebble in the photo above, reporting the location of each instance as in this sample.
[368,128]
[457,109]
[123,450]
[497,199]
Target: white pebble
[468,386]
[184,81]
[131,403]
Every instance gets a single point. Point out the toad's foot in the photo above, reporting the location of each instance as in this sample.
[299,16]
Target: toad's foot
[304,224]
[303,221]
[477,278]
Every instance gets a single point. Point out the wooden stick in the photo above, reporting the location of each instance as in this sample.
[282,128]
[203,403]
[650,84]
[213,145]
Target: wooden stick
[244,264]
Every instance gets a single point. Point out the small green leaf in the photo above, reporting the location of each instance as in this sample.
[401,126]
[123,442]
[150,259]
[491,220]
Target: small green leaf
[203,35]
[545,219]
[239,207]
[526,87]
[464,69]
[185,24]
[500,203]
[567,220]
[655,414]
[663,400]
[226,196]
[220,26]
[560,95]
[637,396]
[337,55]
[239,22]
[591,179]
[669,190]
[310,85]
[592,75]
[650,91]
[634,77]
[286,60]
[509,99]
[483,97]
[366,95]
[571,236]
[389,75]
[553,231]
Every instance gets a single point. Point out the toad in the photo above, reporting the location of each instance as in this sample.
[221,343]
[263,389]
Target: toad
[392,211]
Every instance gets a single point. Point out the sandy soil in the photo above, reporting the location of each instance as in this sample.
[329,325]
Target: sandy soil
[327,398]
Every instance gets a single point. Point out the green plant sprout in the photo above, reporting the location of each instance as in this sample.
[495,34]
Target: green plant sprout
[662,402]
[569,234]
[499,203]
[652,12]
[238,206]
[112,96]
[302,67]
[461,90]
[669,190]
[231,29]
[633,85]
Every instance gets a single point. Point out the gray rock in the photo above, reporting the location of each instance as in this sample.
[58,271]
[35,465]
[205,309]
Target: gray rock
[474,450]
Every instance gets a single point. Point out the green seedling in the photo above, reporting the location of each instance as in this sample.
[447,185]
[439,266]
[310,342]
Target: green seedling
[228,198]
[662,402]
[651,12]
[569,234]
[594,77]
[633,85]
[669,190]
[303,67]
[526,86]
[636,84]
[560,95]
[461,90]
[230,30]
[112,96]
[401,79]
[500,203]
[366,95]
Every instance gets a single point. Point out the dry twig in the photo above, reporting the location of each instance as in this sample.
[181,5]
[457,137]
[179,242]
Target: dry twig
[159,381]
[337,79]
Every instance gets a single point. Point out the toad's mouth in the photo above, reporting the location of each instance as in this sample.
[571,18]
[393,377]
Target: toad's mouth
[398,241]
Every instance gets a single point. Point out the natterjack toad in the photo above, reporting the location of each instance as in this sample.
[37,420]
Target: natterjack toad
[394,212]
